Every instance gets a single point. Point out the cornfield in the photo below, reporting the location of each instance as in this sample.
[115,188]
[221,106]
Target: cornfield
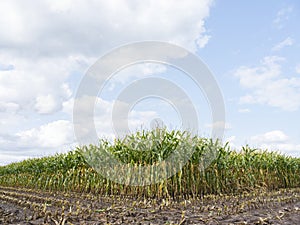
[212,168]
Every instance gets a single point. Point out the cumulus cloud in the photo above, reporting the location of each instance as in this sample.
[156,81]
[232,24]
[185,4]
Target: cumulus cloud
[46,47]
[33,83]
[43,43]
[50,135]
[107,124]
[270,137]
[268,86]
[46,104]
[49,138]
[91,27]
[276,140]
[286,42]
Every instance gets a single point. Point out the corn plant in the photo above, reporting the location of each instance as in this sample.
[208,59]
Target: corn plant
[211,168]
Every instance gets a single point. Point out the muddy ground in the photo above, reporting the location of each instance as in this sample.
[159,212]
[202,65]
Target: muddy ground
[25,206]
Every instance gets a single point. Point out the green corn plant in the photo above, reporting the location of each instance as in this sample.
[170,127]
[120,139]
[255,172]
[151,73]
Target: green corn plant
[212,168]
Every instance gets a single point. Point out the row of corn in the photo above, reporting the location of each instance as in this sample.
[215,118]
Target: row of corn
[156,163]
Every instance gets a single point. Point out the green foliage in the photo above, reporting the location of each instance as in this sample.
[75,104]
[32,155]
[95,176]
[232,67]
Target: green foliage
[212,168]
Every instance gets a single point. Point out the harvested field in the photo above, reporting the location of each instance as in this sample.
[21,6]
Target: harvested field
[26,206]
[250,186]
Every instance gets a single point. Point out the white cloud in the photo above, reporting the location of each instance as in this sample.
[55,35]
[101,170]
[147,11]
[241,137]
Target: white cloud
[267,85]
[289,149]
[68,106]
[276,140]
[62,37]
[33,83]
[60,6]
[52,135]
[247,99]
[4,158]
[107,124]
[286,42]
[201,42]
[136,71]
[270,137]
[251,77]
[9,107]
[110,125]
[282,16]
[47,46]
[46,104]
[93,26]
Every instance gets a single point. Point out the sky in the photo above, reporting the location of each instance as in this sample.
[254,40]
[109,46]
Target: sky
[46,47]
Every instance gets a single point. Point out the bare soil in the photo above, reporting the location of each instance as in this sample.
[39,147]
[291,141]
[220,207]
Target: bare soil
[27,206]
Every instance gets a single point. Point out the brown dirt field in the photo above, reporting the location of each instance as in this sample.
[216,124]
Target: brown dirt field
[26,206]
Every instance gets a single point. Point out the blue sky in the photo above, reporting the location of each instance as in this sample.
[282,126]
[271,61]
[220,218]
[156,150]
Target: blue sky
[251,47]
[248,33]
